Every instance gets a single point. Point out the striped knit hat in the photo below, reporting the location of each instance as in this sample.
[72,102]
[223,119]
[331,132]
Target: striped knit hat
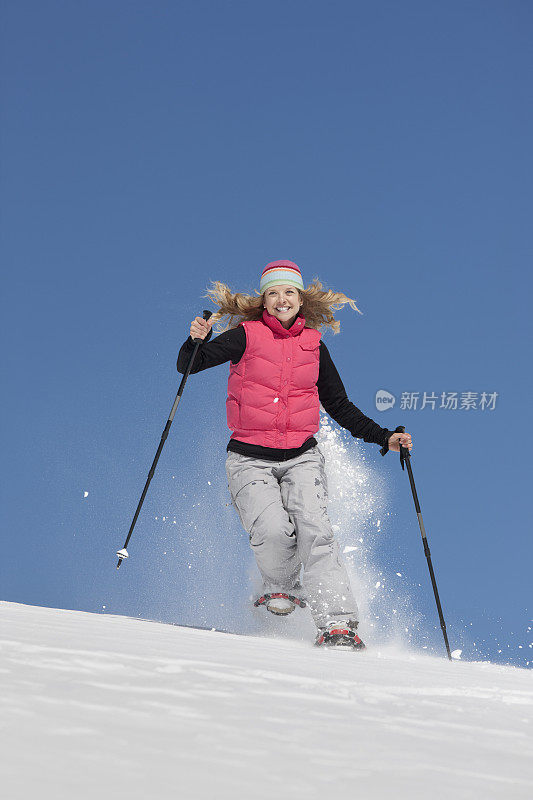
[281,272]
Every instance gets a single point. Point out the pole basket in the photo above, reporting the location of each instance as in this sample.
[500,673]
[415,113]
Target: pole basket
[122,554]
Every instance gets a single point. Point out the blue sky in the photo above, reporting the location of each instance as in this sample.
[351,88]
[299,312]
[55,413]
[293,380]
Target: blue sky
[149,148]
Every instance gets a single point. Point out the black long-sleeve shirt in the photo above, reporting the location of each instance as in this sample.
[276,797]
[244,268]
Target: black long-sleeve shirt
[230,346]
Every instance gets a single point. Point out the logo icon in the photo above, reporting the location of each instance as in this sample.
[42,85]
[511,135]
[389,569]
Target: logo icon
[384,400]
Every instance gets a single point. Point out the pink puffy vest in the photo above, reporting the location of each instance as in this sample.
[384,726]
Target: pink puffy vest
[272,393]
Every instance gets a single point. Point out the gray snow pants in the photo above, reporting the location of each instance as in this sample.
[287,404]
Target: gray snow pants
[283,507]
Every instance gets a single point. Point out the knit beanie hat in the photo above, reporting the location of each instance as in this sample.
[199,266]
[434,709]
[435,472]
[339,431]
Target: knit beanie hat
[281,272]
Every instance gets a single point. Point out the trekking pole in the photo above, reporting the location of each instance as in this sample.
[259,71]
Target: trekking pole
[405,458]
[122,554]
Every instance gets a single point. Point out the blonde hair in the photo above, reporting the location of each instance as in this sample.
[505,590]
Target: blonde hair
[317,307]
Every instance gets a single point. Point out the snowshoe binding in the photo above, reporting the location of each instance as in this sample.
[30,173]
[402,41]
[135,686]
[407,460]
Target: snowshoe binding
[279,603]
[340,633]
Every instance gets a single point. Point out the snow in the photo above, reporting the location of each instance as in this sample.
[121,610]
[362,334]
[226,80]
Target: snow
[96,705]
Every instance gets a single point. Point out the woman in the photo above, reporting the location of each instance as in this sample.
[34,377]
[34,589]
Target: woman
[280,373]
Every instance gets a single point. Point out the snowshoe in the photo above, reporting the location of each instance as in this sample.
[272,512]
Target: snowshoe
[340,634]
[279,603]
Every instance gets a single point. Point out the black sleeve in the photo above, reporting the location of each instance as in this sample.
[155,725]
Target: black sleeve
[229,346]
[332,395]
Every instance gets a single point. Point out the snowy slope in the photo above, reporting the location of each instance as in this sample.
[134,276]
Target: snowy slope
[97,706]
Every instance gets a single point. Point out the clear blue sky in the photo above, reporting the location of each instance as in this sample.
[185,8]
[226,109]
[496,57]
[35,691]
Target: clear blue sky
[149,148]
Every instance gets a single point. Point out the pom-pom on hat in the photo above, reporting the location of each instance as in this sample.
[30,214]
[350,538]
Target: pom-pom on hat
[281,272]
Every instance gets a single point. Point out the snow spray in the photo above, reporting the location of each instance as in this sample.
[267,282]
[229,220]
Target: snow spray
[211,576]
[358,510]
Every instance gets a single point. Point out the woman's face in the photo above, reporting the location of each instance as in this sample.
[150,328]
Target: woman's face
[283,302]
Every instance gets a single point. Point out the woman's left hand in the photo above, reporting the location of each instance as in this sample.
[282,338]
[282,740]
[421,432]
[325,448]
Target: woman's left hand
[398,439]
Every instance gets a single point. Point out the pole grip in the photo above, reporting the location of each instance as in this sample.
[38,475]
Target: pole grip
[385,449]
[206,315]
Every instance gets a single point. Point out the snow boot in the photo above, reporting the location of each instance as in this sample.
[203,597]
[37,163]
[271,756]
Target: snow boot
[279,603]
[340,633]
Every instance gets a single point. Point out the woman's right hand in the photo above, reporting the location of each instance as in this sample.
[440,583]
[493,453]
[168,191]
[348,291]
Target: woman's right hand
[200,328]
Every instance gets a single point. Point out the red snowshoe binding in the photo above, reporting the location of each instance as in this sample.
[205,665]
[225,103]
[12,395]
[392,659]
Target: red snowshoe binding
[279,603]
[340,634]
